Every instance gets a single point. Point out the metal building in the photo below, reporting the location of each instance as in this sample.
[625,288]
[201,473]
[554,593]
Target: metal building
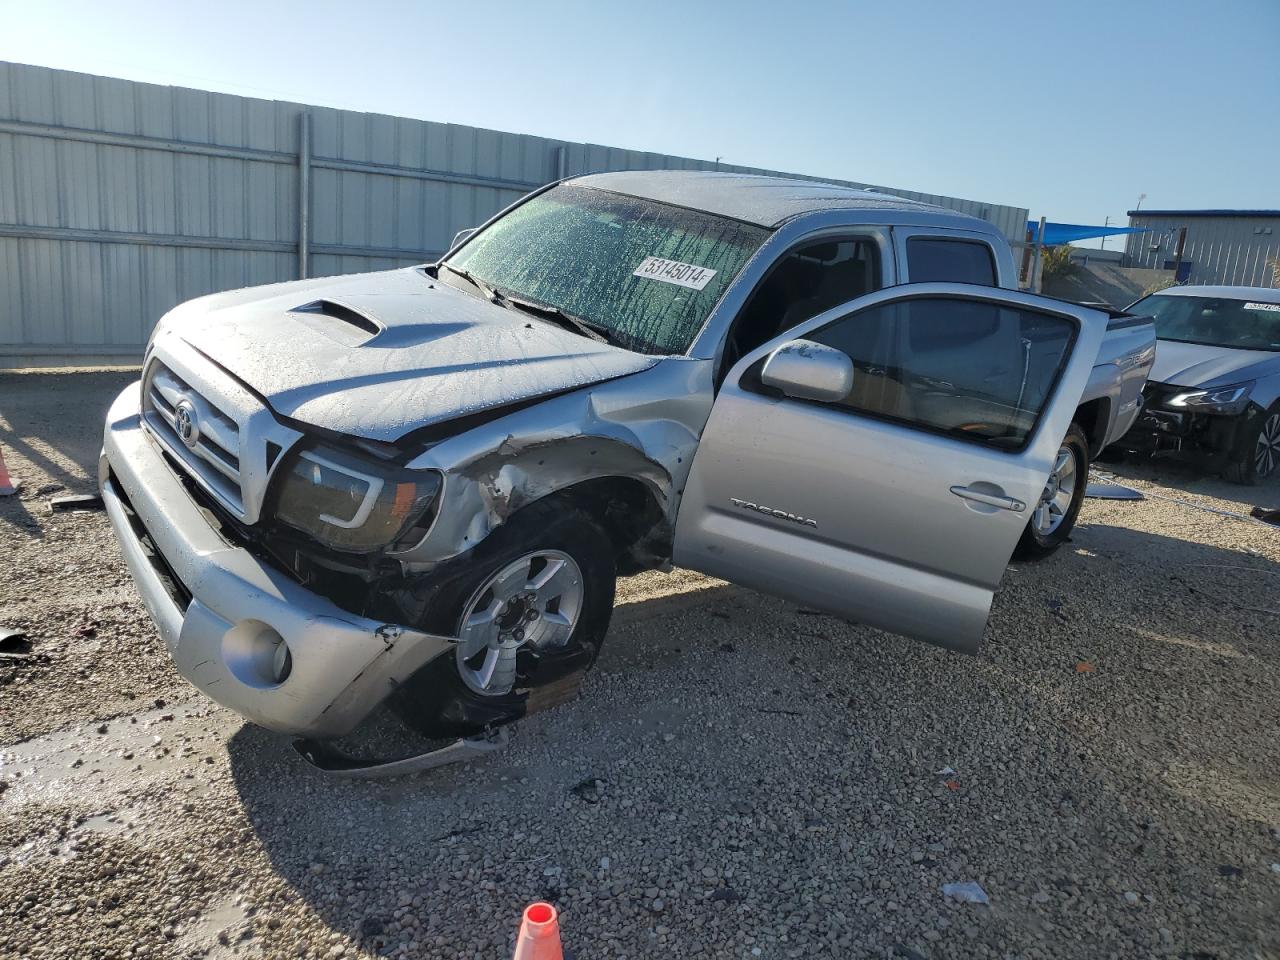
[1207,246]
[119,200]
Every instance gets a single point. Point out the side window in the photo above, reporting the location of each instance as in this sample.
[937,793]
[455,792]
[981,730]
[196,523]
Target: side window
[802,284]
[978,371]
[932,260]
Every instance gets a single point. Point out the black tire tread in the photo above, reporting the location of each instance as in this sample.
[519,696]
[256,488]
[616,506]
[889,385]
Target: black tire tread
[1241,469]
[1031,546]
[435,701]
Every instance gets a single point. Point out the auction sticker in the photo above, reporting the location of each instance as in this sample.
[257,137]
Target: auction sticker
[673,271]
[1269,307]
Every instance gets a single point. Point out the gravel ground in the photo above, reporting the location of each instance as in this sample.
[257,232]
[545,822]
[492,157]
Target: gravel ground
[740,778]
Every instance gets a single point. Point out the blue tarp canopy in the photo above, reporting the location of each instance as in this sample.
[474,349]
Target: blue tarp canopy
[1056,233]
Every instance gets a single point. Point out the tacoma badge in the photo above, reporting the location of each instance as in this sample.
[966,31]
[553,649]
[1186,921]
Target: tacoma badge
[771,511]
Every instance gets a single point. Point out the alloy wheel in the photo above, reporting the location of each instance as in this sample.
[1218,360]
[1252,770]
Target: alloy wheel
[535,601]
[1059,490]
[1267,452]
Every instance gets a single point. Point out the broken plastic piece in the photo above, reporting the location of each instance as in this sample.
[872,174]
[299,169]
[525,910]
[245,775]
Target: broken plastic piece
[14,644]
[12,639]
[76,501]
[326,757]
[968,892]
[1266,516]
[1111,491]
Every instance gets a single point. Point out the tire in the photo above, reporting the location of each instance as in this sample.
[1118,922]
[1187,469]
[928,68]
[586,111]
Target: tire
[450,696]
[1257,457]
[1042,536]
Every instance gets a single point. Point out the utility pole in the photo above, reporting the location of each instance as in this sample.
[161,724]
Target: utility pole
[1036,279]
[1106,222]
[304,194]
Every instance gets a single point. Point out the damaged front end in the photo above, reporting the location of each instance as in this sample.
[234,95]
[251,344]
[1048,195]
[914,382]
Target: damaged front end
[1207,425]
[301,577]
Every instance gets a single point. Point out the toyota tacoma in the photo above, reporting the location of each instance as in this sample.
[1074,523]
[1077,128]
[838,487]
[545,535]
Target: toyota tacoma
[417,487]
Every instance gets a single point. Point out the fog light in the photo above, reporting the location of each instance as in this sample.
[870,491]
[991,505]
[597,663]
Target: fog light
[256,654]
[282,662]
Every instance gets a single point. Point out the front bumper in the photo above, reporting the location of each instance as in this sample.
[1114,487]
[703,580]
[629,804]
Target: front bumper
[220,610]
[1214,438]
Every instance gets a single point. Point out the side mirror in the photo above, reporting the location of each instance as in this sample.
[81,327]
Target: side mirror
[462,236]
[809,371]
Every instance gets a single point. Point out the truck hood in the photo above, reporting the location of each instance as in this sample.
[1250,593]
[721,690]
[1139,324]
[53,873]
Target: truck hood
[378,355]
[1197,365]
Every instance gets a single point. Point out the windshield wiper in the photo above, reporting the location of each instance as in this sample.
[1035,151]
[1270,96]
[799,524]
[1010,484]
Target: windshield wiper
[542,310]
[564,319]
[487,291]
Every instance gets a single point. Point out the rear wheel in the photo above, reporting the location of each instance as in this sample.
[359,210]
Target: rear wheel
[530,607]
[1054,516]
[1258,456]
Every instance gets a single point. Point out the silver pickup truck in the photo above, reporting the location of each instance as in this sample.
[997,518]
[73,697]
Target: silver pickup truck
[419,486]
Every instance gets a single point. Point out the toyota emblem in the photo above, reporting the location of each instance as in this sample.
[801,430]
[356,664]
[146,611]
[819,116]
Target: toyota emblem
[186,422]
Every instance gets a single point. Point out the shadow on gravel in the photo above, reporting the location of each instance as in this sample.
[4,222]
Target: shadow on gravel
[65,412]
[1150,775]
[1191,594]
[16,515]
[1176,729]
[315,827]
[1186,475]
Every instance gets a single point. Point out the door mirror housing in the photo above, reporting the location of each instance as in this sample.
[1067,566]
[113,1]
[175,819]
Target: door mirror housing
[462,236]
[807,370]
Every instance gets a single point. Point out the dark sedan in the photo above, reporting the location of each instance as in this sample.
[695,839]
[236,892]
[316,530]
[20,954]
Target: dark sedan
[1214,392]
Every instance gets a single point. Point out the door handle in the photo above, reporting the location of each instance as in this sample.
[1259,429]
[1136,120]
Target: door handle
[990,499]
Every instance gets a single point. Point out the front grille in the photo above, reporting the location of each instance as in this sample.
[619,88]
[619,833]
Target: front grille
[212,456]
[177,590]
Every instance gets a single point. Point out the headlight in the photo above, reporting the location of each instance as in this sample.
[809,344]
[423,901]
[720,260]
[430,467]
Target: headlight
[353,503]
[1226,400]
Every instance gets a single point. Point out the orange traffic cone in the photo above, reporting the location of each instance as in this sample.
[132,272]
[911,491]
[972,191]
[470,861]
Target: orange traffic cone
[7,487]
[539,937]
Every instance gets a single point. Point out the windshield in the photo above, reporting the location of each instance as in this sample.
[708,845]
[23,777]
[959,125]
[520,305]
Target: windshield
[1214,321]
[646,273]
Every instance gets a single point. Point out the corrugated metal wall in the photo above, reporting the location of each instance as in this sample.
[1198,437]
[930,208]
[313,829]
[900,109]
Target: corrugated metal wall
[1220,249]
[119,200]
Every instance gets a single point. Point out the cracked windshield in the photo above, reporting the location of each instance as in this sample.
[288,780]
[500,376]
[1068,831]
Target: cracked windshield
[644,273]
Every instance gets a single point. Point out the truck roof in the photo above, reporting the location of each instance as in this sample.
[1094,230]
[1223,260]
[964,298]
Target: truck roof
[754,198]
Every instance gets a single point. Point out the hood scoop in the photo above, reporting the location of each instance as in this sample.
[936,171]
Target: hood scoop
[378,355]
[356,327]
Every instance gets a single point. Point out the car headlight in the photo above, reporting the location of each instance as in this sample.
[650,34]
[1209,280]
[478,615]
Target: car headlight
[352,503]
[1227,400]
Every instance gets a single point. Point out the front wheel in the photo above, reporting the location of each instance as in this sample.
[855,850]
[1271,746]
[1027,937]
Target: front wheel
[1258,456]
[530,607]
[1054,516]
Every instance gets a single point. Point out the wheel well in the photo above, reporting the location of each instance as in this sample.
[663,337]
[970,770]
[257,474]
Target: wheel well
[1093,417]
[631,515]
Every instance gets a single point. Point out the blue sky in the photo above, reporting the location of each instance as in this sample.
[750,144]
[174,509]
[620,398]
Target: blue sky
[1071,109]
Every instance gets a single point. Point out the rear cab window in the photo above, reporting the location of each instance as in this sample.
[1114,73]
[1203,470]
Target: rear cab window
[944,260]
